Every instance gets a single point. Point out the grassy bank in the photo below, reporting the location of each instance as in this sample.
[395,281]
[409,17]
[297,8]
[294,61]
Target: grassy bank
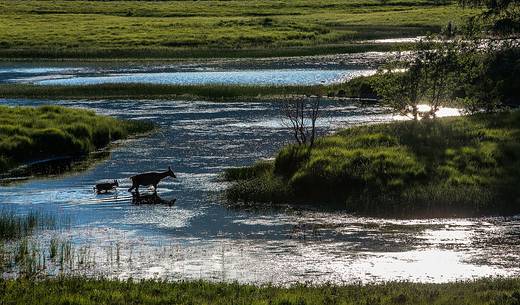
[452,166]
[358,87]
[166,29]
[84,291]
[165,54]
[34,133]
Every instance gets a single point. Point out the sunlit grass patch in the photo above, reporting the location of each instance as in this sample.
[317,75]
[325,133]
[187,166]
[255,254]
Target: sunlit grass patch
[34,133]
[145,29]
[13,226]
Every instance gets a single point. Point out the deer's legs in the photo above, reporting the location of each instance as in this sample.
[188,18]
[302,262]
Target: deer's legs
[134,186]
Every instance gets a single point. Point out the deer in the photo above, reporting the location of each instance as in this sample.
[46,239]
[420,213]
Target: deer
[105,187]
[150,178]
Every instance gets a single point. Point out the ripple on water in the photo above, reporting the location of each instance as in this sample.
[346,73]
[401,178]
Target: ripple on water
[198,237]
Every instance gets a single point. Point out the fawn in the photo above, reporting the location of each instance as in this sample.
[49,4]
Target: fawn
[151,178]
[105,187]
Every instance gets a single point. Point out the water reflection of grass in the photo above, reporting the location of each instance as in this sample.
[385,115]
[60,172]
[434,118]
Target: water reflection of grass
[54,167]
[29,134]
[451,166]
[77,290]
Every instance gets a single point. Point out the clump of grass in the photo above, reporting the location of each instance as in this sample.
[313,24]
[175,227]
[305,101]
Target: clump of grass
[14,226]
[210,91]
[35,133]
[453,166]
[79,290]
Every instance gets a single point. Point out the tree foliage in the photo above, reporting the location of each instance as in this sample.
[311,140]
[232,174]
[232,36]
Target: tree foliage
[500,17]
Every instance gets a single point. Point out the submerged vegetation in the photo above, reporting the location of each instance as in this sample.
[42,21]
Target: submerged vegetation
[13,226]
[102,291]
[166,29]
[451,166]
[29,134]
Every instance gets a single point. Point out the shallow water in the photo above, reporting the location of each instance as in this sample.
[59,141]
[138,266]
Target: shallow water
[198,237]
[64,76]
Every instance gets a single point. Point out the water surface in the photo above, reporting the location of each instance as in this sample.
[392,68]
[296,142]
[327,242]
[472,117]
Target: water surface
[199,237]
[231,77]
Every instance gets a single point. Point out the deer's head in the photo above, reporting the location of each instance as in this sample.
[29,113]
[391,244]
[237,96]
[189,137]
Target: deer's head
[116,183]
[170,173]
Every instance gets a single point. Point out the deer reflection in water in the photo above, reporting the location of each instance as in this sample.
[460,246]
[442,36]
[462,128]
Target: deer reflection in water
[150,199]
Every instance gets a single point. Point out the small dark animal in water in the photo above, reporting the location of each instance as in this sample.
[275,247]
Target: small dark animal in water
[106,187]
[151,178]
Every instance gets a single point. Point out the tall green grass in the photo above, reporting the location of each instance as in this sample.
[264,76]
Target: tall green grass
[361,87]
[147,292]
[161,53]
[35,133]
[157,91]
[14,226]
[453,166]
[166,29]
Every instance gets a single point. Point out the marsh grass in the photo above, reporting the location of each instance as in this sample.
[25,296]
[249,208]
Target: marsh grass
[165,29]
[77,290]
[30,134]
[15,249]
[161,53]
[214,92]
[359,87]
[452,166]
[13,226]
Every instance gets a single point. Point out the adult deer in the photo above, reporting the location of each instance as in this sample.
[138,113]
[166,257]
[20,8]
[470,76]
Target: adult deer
[151,178]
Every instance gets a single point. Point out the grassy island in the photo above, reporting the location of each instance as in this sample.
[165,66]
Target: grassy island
[361,87]
[30,134]
[457,166]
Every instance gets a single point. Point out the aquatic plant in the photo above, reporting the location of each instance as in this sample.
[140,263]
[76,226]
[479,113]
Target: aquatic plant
[13,226]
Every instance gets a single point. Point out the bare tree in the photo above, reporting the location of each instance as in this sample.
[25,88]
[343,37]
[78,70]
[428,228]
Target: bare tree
[301,115]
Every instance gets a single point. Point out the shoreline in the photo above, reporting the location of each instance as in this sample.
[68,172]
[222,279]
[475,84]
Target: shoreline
[169,55]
